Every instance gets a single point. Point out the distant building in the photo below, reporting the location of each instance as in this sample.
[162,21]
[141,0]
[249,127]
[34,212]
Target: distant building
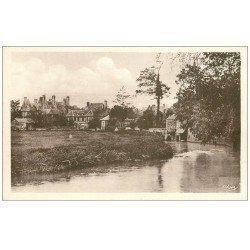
[26,107]
[81,117]
[22,124]
[180,133]
[174,130]
[105,122]
[171,123]
[95,106]
[123,124]
[48,107]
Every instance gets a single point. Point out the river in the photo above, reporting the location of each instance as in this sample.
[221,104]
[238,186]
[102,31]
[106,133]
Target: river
[194,168]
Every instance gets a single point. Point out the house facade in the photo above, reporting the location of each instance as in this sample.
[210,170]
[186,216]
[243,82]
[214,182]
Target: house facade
[82,117]
[174,130]
[105,122]
[49,107]
[170,128]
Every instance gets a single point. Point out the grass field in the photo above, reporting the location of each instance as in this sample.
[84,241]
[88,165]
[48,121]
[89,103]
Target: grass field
[54,151]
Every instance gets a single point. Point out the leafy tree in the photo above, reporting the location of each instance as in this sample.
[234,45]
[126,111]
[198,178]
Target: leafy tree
[95,122]
[169,112]
[122,98]
[37,116]
[149,83]
[61,120]
[209,97]
[121,113]
[147,120]
[15,109]
[118,112]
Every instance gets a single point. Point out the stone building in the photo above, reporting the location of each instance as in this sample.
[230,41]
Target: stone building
[26,107]
[82,117]
[170,128]
[49,107]
[105,122]
[174,130]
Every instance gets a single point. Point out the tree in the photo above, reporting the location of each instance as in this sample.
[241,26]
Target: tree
[169,112]
[147,119]
[37,116]
[95,122]
[149,83]
[209,97]
[15,109]
[61,120]
[122,98]
[118,112]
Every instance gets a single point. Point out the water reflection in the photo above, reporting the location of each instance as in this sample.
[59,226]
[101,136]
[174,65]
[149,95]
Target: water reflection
[160,178]
[194,168]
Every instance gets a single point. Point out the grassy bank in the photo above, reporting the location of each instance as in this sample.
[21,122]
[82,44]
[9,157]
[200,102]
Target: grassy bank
[54,151]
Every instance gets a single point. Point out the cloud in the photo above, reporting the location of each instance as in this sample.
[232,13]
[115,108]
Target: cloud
[101,79]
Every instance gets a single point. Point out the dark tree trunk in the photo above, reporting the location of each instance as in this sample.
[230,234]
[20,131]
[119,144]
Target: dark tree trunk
[158,111]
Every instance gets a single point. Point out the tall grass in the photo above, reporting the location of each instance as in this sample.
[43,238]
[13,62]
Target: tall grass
[83,150]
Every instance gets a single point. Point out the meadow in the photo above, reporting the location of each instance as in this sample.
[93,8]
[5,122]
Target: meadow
[55,151]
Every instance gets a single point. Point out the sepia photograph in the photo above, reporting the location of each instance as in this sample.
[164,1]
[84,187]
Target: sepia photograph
[125,123]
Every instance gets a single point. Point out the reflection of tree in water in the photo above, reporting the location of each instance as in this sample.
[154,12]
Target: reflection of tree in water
[159,178]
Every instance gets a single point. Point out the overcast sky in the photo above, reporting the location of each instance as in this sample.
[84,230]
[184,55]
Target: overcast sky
[85,76]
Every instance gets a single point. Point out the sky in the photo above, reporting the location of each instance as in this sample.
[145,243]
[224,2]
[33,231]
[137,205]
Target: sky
[86,76]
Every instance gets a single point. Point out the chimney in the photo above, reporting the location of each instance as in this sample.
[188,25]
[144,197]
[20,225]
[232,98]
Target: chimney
[88,104]
[105,104]
[53,99]
[24,101]
[41,100]
[44,99]
[67,100]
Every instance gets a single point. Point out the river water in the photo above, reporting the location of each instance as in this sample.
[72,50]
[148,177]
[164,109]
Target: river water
[194,168]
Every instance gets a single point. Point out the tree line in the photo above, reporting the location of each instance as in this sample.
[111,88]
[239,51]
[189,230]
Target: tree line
[208,99]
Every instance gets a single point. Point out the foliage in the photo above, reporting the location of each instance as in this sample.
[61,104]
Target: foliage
[147,120]
[44,120]
[209,97]
[118,112]
[122,98]
[169,112]
[61,120]
[95,122]
[15,109]
[149,83]
[121,113]
[37,116]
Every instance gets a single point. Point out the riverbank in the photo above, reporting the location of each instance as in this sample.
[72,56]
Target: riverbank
[194,168]
[55,151]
